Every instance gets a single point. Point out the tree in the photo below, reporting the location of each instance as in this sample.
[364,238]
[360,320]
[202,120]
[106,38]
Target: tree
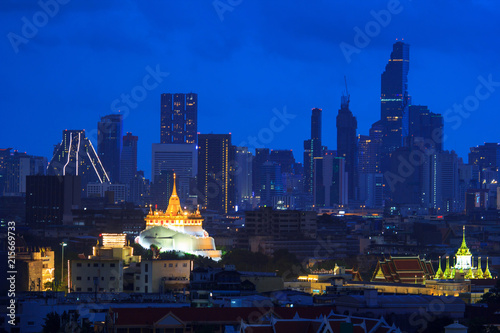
[493,296]
[52,323]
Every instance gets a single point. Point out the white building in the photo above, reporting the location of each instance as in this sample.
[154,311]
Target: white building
[99,190]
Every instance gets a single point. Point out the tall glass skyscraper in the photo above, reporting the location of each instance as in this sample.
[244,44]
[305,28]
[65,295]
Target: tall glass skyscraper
[128,167]
[347,144]
[394,98]
[312,149]
[109,144]
[179,118]
[216,172]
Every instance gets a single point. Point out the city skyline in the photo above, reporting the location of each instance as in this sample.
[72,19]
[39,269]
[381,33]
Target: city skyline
[237,70]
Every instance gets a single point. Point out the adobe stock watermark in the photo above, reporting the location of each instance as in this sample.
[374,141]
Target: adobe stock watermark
[223,6]
[30,27]
[373,28]
[131,100]
[266,135]
[471,103]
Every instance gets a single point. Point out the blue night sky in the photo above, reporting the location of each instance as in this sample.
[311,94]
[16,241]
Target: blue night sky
[244,59]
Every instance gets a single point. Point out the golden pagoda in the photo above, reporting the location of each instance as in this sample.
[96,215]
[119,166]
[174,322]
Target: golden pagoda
[487,274]
[439,274]
[177,230]
[464,264]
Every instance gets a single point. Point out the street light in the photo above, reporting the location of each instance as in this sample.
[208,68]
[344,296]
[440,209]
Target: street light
[63,244]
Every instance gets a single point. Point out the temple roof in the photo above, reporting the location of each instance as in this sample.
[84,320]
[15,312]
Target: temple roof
[174,204]
[463,249]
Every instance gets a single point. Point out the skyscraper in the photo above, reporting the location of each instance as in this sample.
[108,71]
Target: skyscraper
[486,157]
[15,166]
[347,144]
[261,156]
[330,180]
[180,158]
[109,144]
[216,172]
[425,128]
[394,98]
[312,149]
[128,162]
[75,155]
[50,199]
[179,118]
[243,175]
[271,182]
[284,158]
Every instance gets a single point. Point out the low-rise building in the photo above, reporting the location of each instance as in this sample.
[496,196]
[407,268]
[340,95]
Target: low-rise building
[35,268]
[160,276]
[95,275]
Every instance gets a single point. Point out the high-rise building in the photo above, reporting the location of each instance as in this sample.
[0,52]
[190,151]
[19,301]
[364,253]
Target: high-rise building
[284,158]
[261,156]
[139,190]
[50,199]
[75,155]
[371,189]
[330,181]
[162,188]
[425,128]
[271,182]
[347,144]
[128,162]
[243,175]
[180,158]
[216,172]
[486,156]
[109,144]
[394,98]
[179,118]
[312,149]
[440,182]
[15,166]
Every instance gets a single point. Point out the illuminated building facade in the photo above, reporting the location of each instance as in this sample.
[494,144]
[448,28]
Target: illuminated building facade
[394,97]
[464,266]
[179,118]
[177,230]
[75,155]
[312,149]
[216,169]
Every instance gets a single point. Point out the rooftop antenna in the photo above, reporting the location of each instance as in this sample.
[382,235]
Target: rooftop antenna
[345,98]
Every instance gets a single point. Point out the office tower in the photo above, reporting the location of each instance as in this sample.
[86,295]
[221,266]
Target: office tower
[128,162]
[371,189]
[271,182]
[261,156]
[440,182]
[75,155]
[330,181]
[243,175]
[162,189]
[15,166]
[404,180]
[425,128]
[486,157]
[347,143]
[180,158]
[284,158]
[179,118]
[139,191]
[312,149]
[49,199]
[109,144]
[394,98]
[216,172]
